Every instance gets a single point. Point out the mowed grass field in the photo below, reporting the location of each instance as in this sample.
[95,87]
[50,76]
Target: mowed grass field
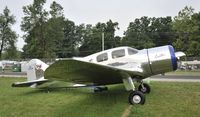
[167,99]
[184,73]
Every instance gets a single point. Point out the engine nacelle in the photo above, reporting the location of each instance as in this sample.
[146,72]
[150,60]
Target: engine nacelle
[162,59]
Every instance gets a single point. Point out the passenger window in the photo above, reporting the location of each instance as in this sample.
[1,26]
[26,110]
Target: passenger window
[118,53]
[102,57]
[131,51]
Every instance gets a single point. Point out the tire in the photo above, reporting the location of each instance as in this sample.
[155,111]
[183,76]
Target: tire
[136,97]
[104,88]
[96,89]
[146,90]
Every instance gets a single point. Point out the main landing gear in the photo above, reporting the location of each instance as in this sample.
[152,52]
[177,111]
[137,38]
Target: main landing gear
[136,96]
[144,88]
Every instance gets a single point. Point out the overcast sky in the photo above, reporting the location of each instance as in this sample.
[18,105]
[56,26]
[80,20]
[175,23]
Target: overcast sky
[93,11]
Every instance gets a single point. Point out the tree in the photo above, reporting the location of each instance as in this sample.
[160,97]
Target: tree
[92,37]
[49,37]
[161,31]
[110,40]
[68,44]
[138,34]
[54,31]
[186,25]
[7,35]
[56,10]
[148,32]
[90,41]
[34,24]
[11,53]
[194,45]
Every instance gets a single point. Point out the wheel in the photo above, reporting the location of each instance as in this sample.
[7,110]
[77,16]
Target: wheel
[145,89]
[104,88]
[136,97]
[97,89]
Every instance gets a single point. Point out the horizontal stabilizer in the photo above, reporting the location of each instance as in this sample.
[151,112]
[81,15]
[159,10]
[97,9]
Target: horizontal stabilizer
[29,83]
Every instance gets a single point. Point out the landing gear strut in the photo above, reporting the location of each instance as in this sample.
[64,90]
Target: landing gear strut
[144,88]
[136,96]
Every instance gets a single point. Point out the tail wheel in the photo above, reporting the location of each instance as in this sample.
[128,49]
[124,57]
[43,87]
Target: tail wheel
[100,89]
[136,97]
[145,88]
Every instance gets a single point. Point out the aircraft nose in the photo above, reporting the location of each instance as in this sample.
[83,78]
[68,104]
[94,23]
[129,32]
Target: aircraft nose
[173,57]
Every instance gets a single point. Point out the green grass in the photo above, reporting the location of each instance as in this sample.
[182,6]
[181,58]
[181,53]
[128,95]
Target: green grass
[171,100]
[184,73]
[166,99]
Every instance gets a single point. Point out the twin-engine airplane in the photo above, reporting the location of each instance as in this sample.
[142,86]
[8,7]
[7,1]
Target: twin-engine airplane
[117,65]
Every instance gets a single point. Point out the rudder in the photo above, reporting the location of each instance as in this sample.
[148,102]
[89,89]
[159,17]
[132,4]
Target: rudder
[36,69]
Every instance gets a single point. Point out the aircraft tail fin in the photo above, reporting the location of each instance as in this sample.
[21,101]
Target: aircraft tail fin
[36,69]
[35,74]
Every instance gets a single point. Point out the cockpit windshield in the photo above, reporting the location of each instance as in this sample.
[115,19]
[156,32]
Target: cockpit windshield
[132,51]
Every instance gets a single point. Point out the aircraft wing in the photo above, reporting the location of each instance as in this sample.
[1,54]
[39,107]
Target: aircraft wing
[77,71]
[29,83]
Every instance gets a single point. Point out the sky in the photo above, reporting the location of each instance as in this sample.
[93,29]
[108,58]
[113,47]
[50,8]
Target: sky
[93,11]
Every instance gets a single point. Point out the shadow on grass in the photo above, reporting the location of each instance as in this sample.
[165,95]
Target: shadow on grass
[84,102]
[108,103]
[114,90]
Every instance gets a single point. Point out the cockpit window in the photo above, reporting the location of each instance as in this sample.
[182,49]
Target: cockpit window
[118,53]
[131,51]
[102,57]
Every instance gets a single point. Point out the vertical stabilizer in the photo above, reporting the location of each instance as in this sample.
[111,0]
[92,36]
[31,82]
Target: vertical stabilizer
[36,69]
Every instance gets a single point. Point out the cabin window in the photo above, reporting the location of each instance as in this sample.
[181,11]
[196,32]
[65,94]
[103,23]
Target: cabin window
[118,53]
[131,51]
[102,57]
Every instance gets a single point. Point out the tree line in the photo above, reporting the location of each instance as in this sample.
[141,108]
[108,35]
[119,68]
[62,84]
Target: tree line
[49,34]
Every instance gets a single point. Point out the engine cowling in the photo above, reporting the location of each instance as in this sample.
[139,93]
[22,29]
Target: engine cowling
[162,59]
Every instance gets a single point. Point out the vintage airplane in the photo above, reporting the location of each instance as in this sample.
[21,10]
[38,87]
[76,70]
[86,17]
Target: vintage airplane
[117,65]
